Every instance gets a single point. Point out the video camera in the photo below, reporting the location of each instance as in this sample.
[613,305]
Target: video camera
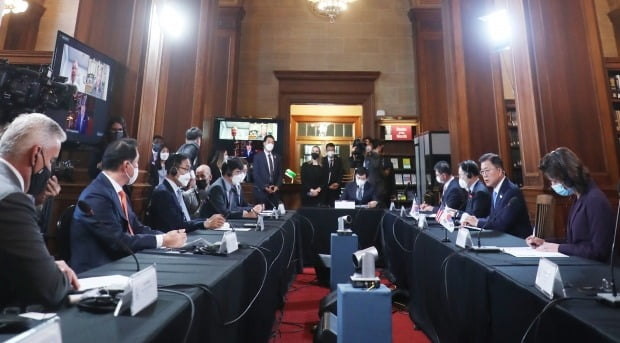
[24,90]
[359,148]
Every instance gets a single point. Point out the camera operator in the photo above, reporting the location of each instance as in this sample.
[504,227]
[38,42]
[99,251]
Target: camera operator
[356,155]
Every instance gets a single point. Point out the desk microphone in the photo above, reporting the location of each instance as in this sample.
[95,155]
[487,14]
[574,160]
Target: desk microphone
[490,248]
[88,211]
[613,298]
[273,205]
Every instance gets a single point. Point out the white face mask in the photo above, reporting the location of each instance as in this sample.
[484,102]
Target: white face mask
[244,176]
[360,183]
[438,179]
[269,147]
[164,156]
[133,177]
[184,179]
[236,179]
[330,153]
[463,183]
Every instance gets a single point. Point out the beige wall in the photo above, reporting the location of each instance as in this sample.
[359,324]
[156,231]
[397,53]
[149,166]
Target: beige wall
[606,30]
[373,35]
[59,15]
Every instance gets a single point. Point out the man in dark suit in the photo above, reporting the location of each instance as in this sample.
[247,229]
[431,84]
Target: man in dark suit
[225,195]
[191,148]
[508,208]
[361,191]
[478,195]
[453,196]
[168,210]
[332,174]
[112,228]
[267,174]
[28,274]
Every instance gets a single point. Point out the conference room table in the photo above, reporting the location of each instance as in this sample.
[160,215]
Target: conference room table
[458,295]
[235,296]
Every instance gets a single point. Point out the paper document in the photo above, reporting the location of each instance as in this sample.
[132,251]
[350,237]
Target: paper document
[529,252]
[236,229]
[109,282]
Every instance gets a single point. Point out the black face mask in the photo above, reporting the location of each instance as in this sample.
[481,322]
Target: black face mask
[314,155]
[201,184]
[38,180]
[116,135]
[157,147]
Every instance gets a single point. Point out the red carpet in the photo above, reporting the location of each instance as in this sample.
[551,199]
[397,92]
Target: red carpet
[301,314]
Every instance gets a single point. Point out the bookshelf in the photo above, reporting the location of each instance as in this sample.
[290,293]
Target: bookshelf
[612,66]
[399,151]
[512,122]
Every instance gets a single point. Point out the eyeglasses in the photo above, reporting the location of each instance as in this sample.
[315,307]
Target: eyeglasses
[487,171]
[184,168]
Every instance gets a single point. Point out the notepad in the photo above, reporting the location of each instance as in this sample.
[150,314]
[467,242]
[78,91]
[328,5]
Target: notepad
[108,282]
[529,252]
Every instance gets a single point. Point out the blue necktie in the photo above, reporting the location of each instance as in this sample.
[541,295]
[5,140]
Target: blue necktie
[360,193]
[182,204]
[494,198]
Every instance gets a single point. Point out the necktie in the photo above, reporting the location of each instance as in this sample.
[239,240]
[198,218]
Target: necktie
[125,211]
[494,198]
[270,164]
[182,205]
[360,193]
[329,176]
[231,198]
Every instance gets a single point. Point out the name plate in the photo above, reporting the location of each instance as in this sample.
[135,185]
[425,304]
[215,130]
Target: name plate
[229,243]
[260,223]
[143,289]
[548,279]
[46,332]
[422,222]
[463,238]
[344,204]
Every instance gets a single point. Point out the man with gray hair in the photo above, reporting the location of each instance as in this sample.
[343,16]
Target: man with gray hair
[28,273]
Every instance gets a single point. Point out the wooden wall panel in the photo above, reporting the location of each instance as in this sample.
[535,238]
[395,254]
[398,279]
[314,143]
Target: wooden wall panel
[430,68]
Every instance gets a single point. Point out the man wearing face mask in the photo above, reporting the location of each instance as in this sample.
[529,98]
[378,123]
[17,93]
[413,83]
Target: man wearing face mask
[168,209]
[196,196]
[105,234]
[590,227]
[28,273]
[332,174]
[361,191]
[267,174]
[225,195]
[452,195]
[478,195]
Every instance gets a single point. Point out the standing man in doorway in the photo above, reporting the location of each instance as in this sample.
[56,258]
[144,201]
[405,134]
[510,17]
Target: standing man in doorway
[267,175]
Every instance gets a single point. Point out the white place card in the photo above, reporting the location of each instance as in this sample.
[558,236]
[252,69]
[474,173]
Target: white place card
[463,238]
[548,279]
[260,223]
[229,243]
[143,289]
[344,204]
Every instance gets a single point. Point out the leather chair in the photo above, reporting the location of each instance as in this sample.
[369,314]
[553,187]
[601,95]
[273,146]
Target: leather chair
[544,216]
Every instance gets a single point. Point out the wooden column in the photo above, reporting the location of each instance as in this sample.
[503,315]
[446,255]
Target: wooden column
[430,70]
[472,101]
[23,28]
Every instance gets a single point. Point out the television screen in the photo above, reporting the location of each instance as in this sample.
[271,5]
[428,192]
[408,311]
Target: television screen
[92,73]
[247,130]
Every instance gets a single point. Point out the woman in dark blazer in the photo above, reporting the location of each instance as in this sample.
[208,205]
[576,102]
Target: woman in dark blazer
[590,229]
[312,179]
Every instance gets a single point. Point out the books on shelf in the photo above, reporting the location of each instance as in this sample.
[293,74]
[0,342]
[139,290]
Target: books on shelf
[617,118]
[405,179]
[398,179]
[406,163]
[394,161]
[614,86]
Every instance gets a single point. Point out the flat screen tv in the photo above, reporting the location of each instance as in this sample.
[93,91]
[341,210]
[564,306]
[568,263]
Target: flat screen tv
[249,132]
[92,73]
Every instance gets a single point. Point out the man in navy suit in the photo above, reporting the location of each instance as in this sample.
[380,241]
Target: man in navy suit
[360,191]
[168,210]
[105,234]
[225,196]
[332,174]
[508,208]
[267,174]
[453,196]
[478,195]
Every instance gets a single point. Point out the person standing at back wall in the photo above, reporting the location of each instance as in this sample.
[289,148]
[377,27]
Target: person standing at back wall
[267,174]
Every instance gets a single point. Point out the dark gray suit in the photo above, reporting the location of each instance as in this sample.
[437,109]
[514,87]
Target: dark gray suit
[28,274]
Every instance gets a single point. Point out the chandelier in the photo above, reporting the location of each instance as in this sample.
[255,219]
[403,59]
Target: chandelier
[328,8]
[14,6]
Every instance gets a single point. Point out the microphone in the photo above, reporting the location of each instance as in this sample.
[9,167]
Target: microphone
[491,248]
[612,298]
[269,200]
[88,211]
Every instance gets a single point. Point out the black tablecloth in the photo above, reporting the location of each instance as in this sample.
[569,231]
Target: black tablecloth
[463,296]
[230,284]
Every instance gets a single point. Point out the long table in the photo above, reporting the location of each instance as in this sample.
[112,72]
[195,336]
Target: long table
[232,302]
[462,296]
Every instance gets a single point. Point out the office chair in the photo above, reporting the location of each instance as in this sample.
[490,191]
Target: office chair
[63,233]
[544,216]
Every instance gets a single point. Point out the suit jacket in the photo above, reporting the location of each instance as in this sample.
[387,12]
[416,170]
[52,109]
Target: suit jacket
[590,229]
[336,171]
[350,193]
[192,151]
[28,274]
[510,212]
[104,236]
[478,201]
[218,202]
[454,196]
[166,213]
[260,175]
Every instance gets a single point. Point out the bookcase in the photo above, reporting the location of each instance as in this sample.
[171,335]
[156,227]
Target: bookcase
[398,136]
[612,66]
[514,170]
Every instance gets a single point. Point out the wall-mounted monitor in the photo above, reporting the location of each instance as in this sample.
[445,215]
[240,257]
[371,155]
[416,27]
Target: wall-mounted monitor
[244,136]
[92,73]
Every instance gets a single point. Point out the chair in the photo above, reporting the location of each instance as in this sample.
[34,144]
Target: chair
[544,216]
[63,233]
